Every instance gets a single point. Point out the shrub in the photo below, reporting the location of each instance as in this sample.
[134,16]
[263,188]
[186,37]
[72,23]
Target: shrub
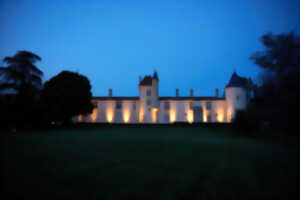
[246,121]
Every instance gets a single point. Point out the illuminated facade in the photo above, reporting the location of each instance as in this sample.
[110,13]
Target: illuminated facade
[149,107]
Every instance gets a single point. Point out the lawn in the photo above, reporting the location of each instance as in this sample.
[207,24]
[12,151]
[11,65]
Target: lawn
[147,162]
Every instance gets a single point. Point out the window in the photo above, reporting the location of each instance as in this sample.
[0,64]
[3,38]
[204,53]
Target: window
[149,102]
[119,105]
[191,105]
[208,105]
[167,105]
[148,92]
[134,105]
[237,98]
[167,117]
[208,118]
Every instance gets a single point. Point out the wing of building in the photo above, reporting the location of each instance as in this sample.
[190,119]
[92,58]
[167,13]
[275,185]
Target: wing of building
[149,107]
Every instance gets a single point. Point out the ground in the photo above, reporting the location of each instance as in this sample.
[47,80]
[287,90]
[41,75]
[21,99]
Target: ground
[147,162]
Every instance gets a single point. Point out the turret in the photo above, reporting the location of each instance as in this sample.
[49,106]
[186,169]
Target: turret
[149,99]
[236,95]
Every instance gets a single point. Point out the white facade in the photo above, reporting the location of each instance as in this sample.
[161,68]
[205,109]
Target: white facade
[150,108]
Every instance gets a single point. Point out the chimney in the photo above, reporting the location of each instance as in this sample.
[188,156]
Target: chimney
[110,92]
[217,92]
[191,92]
[177,92]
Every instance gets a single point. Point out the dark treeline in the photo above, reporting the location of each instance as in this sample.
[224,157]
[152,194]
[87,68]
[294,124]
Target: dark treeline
[25,102]
[277,97]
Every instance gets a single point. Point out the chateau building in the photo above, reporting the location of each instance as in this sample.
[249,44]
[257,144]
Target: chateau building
[149,107]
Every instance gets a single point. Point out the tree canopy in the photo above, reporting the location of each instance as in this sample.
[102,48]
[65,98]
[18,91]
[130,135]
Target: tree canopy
[20,83]
[281,54]
[279,93]
[66,95]
[21,72]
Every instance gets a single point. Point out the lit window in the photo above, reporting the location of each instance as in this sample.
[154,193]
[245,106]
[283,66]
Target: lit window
[119,105]
[167,105]
[148,92]
[208,105]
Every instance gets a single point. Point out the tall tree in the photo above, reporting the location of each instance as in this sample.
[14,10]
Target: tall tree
[281,54]
[21,107]
[21,72]
[66,95]
[280,90]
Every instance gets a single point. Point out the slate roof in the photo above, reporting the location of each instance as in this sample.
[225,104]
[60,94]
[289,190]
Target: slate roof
[147,81]
[115,98]
[160,98]
[191,98]
[237,81]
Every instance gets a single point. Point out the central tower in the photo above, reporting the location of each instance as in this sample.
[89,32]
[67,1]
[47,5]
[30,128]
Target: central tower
[149,99]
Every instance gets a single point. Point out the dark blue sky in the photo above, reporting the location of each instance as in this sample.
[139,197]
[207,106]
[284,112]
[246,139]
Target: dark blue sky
[192,44]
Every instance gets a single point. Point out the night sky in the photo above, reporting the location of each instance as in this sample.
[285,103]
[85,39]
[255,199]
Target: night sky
[192,44]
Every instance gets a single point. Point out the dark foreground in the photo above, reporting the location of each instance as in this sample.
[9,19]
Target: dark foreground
[160,162]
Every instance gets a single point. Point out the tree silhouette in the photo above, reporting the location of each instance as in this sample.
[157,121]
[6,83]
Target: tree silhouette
[66,95]
[20,108]
[280,90]
[21,73]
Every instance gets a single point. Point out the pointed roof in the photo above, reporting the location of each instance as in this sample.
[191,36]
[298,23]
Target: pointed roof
[147,81]
[155,76]
[237,81]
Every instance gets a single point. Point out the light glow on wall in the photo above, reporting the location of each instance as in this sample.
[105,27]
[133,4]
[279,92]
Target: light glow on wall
[141,115]
[172,115]
[204,115]
[80,117]
[190,116]
[109,115]
[220,116]
[126,115]
[94,114]
[154,115]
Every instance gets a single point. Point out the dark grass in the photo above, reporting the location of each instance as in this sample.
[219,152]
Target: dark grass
[147,162]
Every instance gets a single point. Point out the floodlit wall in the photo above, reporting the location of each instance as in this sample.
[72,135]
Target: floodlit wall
[178,111]
[182,111]
[215,112]
[107,112]
[149,108]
